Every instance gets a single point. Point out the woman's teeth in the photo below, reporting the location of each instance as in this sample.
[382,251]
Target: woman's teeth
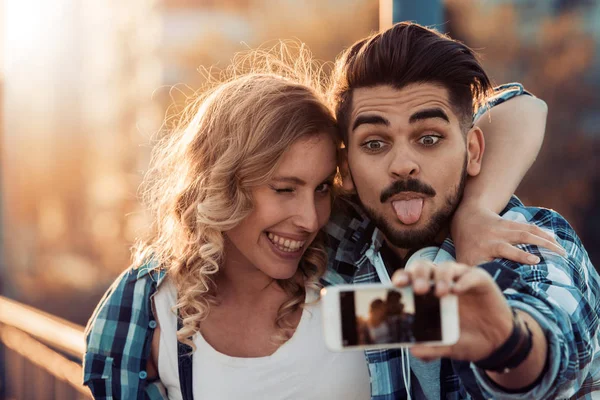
[284,244]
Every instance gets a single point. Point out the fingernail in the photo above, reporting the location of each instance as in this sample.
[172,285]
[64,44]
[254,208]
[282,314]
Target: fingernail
[441,286]
[533,259]
[421,283]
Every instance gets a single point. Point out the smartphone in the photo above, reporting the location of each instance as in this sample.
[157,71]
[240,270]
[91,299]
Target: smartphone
[376,316]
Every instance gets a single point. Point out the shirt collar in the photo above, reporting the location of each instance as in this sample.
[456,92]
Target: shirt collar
[151,268]
[377,240]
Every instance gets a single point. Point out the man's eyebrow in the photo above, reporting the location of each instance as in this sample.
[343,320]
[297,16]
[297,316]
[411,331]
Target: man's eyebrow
[369,119]
[428,114]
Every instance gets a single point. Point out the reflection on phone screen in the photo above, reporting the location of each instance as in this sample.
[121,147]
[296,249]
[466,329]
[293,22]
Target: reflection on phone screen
[384,316]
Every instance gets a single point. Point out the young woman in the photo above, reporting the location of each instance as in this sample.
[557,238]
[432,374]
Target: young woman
[378,328]
[239,197]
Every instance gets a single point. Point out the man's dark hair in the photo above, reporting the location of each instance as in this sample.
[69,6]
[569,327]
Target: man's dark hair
[409,53]
[393,295]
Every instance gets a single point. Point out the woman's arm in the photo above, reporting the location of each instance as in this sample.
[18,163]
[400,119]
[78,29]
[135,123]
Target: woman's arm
[514,132]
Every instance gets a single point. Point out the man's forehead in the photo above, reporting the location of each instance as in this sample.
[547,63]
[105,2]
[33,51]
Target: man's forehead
[387,99]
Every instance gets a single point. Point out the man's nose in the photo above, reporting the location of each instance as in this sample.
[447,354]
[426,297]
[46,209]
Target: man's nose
[403,163]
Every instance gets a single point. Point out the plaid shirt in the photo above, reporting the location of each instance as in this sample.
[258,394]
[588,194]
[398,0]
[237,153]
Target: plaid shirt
[562,294]
[119,336]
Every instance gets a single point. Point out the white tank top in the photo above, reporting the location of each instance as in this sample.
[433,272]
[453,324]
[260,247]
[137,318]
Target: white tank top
[302,368]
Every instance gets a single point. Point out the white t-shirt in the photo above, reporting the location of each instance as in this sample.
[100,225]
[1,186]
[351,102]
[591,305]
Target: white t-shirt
[302,368]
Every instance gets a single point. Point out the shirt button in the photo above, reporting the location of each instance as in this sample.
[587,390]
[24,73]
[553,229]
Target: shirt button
[152,324]
[143,374]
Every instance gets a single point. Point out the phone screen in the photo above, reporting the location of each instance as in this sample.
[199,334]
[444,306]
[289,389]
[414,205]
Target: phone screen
[382,316]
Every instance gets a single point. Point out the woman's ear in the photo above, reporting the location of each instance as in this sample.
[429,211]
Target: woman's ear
[475,149]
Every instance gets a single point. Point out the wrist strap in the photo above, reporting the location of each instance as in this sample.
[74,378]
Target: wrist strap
[512,352]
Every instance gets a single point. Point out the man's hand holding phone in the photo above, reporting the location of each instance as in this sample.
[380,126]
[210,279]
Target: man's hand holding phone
[485,317]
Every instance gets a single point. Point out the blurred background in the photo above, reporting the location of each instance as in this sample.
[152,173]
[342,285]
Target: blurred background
[86,84]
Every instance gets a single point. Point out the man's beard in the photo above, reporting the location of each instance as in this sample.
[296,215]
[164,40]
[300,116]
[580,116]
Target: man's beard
[417,238]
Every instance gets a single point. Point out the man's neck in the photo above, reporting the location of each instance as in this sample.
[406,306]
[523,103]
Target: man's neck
[401,252]
[398,251]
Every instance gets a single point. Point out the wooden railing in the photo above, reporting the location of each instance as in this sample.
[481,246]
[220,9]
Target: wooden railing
[40,355]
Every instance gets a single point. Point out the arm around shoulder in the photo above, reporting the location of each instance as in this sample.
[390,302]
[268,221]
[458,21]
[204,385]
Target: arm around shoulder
[514,132]
[513,126]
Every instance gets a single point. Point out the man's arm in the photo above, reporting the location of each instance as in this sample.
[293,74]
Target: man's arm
[485,320]
[561,296]
[532,367]
[559,299]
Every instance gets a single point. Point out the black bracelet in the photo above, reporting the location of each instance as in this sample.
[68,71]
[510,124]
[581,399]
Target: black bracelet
[512,352]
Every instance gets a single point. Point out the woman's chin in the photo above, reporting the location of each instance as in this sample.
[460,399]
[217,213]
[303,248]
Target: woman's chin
[283,275]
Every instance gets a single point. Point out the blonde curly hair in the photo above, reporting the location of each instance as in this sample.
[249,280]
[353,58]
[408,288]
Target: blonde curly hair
[230,140]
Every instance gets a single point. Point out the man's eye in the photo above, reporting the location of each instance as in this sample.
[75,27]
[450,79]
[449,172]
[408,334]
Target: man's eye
[373,145]
[429,140]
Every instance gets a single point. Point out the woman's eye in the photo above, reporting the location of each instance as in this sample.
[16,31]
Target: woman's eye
[283,190]
[323,187]
[429,140]
[373,145]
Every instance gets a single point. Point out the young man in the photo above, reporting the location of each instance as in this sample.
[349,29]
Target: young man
[404,99]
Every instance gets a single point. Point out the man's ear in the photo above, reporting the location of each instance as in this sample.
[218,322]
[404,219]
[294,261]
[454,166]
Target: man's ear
[475,149]
[347,182]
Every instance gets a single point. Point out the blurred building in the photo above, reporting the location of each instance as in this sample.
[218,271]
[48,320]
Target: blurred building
[2,247]
[532,15]
[80,77]
[553,47]
[89,84]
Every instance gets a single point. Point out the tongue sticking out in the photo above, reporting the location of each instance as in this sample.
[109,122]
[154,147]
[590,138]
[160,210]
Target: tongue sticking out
[408,211]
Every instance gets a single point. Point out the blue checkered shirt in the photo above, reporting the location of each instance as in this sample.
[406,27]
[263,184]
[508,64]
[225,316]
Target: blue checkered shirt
[119,337]
[561,293]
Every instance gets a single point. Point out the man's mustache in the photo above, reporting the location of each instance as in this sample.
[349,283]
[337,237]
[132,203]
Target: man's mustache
[410,185]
